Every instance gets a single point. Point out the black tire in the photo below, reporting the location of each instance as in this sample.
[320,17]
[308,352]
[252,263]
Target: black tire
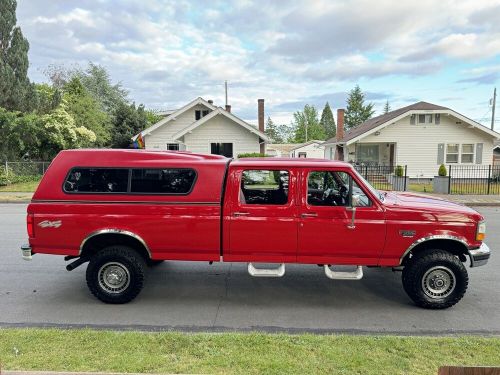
[435,279]
[124,269]
[154,262]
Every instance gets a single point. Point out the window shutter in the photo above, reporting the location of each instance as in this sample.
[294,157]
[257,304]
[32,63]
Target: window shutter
[479,153]
[412,119]
[440,156]
[437,119]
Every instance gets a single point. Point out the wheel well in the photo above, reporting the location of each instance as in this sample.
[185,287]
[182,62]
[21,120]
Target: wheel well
[100,241]
[454,247]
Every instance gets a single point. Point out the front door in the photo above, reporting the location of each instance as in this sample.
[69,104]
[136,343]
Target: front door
[327,233]
[262,216]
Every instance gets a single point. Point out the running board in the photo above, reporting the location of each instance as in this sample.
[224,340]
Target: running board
[266,272]
[339,275]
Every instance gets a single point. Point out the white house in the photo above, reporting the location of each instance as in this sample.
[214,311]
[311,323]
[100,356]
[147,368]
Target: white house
[200,126]
[421,136]
[280,150]
[311,149]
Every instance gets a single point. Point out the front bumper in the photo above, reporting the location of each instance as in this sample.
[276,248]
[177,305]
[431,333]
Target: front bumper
[479,256]
[26,251]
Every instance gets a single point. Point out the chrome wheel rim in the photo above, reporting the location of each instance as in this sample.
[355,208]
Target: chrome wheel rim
[438,282]
[114,277]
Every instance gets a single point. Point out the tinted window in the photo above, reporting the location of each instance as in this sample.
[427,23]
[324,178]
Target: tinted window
[162,181]
[327,188]
[264,187]
[97,180]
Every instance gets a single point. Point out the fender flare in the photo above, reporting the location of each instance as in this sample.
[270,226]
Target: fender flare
[430,238]
[114,231]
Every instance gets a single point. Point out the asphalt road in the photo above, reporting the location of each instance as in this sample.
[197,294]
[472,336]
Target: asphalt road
[200,297]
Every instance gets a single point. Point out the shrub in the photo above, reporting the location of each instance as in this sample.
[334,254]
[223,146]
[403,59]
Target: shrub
[399,171]
[442,171]
[252,155]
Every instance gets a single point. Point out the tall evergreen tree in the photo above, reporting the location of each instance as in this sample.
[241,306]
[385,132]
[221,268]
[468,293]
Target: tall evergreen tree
[327,122]
[272,131]
[387,107]
[16,91]
[307,125]
[357,111]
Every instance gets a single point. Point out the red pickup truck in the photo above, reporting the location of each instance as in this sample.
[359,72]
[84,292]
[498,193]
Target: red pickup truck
[121,210]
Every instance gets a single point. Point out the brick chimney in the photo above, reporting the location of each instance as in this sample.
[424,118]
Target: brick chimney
[260,112]
[340,124]
[228,107]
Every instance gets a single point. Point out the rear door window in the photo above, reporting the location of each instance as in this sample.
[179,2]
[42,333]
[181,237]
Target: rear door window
[97,180]
[162,181]
[266,187]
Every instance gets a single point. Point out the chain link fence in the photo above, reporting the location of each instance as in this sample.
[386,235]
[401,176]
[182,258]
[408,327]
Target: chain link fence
[12,172]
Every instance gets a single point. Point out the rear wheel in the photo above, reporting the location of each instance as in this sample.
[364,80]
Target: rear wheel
[435,279]
[116,274]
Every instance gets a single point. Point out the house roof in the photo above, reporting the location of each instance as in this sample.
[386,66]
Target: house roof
[283,147]
[300,145]
[174,115]
[220,111]
[382,119]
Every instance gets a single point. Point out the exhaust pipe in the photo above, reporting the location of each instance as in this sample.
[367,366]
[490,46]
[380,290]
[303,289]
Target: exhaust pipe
[76,263]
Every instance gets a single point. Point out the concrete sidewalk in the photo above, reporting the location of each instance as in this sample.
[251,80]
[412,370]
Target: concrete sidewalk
[468,200]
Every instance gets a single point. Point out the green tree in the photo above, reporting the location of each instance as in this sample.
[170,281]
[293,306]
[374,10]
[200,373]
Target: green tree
[87,112]
[49,98]
[357,111]
[387,107]
[286,133]
[327,122]
[307,125]
[152,116]
[62,133]
[16,91]
[272,131]
[127,122]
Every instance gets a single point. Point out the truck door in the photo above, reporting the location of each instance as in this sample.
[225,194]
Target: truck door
[327,232]
[262,216]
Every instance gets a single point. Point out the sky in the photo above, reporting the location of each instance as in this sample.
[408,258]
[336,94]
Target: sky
[291,53]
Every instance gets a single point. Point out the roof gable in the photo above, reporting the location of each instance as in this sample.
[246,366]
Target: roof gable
[175,114]
[219,111]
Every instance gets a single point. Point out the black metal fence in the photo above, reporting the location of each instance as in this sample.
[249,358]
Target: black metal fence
[474,179]
[384,177]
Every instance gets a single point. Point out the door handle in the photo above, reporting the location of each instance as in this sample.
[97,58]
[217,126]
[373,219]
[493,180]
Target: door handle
[309,214]
[241,213]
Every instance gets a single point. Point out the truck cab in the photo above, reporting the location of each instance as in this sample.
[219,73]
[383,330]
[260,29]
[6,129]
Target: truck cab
[121,210]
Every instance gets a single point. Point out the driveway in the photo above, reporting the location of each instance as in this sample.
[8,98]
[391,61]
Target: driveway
[202,297]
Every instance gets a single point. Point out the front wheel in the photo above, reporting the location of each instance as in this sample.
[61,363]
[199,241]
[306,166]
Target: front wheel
[116,274]
[435,279]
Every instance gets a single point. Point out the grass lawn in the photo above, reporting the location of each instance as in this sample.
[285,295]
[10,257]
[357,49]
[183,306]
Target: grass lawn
[421,188]
[21,187]
[238,353]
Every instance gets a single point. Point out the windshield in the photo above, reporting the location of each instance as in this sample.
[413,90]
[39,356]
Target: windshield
[374,191]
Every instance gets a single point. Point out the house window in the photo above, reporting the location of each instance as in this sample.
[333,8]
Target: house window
[425,119]
[225,149]
[368,154]
[452,153]
[198,114]
[437,118]
[264,187]
[173,146]
[302,154]
[468,153]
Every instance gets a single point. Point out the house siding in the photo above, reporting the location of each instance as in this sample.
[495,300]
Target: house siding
[222,130]
[417,145]
[314,150]
[159,138]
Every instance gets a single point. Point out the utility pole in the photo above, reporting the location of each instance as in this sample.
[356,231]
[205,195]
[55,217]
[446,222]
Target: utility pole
[225,85]
[493,109]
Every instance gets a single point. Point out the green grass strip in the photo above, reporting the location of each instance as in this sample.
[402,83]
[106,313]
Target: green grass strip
[238,353]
